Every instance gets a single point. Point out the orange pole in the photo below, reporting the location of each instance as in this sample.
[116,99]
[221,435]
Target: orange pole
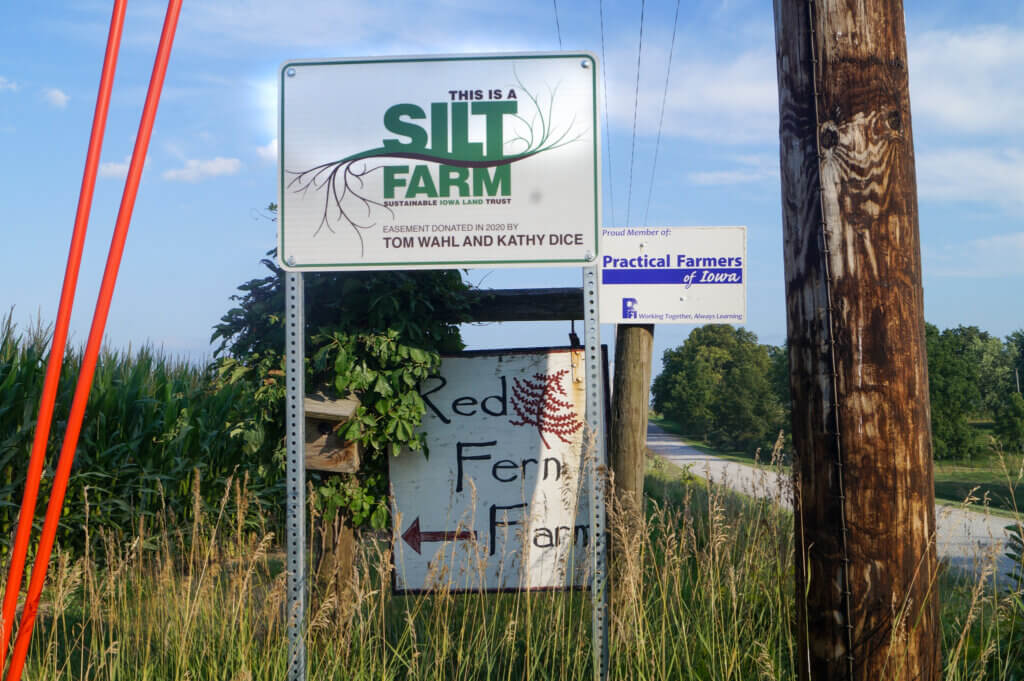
[74,427]
[60,332]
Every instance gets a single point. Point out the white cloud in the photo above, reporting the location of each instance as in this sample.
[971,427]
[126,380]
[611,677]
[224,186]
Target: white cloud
[963,81]
[969,80]
[175,150]
[1001,255]
[955,174]
[117,169]
[746,169]
[268,151]
[8,85]
[56,98]
[196,170]
[114,169]
[732,100]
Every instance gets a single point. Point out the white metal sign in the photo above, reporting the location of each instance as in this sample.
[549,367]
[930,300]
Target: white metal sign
[439,162]
[674,275]
[498,504]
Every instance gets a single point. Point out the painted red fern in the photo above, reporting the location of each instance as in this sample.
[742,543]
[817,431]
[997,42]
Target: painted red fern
[540,402]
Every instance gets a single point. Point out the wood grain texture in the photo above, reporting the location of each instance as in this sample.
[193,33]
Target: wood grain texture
[858,372]
[325,451]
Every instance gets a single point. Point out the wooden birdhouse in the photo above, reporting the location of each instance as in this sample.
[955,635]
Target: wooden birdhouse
[325,451]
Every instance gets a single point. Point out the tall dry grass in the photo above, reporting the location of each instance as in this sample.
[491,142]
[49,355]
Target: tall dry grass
[708,596]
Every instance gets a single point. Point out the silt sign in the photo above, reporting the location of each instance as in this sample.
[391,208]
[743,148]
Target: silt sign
[436,162]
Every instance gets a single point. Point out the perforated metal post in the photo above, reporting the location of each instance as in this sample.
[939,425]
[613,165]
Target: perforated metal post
[598,472]
[296,476]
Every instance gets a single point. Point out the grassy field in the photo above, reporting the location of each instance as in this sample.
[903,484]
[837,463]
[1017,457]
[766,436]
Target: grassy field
[995,481]
[171,567]
[709,596]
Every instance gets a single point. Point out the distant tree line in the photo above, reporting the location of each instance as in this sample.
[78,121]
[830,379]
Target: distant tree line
[725,388]
[973,377]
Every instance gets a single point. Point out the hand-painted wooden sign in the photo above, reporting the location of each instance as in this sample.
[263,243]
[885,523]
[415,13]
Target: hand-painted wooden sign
[497,504]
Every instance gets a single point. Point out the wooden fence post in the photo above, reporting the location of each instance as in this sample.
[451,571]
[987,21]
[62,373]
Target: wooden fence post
[628,428]
[865,515]
[627,444]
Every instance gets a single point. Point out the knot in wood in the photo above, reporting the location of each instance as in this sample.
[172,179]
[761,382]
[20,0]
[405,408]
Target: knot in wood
[895,120]
[829,138]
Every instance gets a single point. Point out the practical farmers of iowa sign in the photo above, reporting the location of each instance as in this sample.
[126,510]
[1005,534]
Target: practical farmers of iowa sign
[439,162]
[497,504]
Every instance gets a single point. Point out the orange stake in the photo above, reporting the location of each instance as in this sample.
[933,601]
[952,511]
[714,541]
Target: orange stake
[60,332]
[92,348]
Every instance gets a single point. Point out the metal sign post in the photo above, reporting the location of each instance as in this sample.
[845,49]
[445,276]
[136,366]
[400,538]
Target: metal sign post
[296,475]
[598,471]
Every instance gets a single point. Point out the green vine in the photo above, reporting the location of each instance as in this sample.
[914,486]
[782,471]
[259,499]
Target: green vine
[372,335]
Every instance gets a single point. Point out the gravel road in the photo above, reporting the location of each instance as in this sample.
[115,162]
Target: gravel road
[967,539]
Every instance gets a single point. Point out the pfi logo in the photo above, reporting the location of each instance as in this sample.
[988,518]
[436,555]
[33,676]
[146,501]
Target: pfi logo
[629,310]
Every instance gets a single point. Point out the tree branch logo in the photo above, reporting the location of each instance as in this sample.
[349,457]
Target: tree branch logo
[539,402]
[453,169]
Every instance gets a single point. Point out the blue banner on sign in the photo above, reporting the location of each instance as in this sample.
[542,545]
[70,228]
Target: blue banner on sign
[680,276]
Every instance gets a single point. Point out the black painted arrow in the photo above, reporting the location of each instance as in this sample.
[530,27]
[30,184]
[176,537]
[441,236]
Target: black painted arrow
[414,536]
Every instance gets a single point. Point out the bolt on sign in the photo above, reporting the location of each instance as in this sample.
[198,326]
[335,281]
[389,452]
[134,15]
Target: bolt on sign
[439,162]
[498,503]
[673,275]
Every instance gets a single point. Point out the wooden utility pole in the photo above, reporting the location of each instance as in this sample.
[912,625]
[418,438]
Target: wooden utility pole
[631,392]
[865,514]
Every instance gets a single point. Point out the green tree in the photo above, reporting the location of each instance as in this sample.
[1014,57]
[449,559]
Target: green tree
[780,375]
[720,385]
[954,386]
[995,372]
[1015,348]
[1009,424]
[372,334]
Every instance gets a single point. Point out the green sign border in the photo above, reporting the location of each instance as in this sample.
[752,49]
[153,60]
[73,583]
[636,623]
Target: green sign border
[337,267]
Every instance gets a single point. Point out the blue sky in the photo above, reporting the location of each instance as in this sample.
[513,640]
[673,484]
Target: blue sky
[199,229]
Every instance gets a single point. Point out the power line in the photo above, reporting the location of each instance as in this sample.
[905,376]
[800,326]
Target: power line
[636,101]
[607,126]
[661,118]
[558,26]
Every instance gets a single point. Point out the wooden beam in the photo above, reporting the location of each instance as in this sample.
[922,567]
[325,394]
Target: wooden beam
[867,605]
[526,304]
[325,451]
[628,427]
[627,444]
[319,406]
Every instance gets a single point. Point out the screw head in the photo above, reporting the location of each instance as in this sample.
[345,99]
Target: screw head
[589,256]
[290,72]
[585,63]
[290,260]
